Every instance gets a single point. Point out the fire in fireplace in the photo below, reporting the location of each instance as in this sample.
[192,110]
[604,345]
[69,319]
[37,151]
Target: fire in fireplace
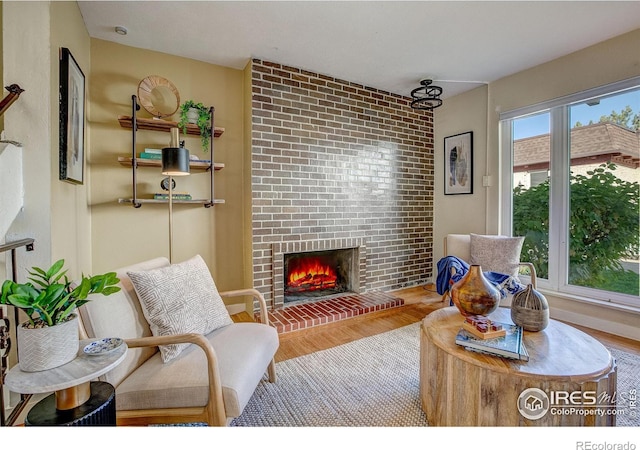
[314,275]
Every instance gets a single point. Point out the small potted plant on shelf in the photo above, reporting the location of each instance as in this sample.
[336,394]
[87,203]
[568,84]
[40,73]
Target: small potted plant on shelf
[198,114]
[49,338]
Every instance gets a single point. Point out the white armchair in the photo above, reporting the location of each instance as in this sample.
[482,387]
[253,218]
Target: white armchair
[210,381]
[494,253]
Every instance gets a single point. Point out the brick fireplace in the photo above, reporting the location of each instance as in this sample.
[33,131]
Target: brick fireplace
[357,269]
[338,165]
[310,276]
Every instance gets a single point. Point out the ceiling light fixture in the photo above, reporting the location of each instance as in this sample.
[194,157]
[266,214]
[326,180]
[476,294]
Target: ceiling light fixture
[121,30]
[427,96]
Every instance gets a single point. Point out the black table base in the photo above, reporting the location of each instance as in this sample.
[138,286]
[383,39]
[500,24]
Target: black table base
[99,410]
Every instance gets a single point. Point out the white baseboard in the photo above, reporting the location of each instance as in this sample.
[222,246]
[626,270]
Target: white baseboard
[236,308]
[615,328]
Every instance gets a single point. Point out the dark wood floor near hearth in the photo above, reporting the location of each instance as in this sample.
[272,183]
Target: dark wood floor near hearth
[418,303]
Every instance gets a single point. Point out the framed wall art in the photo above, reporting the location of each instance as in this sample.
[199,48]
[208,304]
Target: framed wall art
[72,103]
[458,164]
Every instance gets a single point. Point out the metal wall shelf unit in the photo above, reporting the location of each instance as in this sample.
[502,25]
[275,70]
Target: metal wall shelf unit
[165,126]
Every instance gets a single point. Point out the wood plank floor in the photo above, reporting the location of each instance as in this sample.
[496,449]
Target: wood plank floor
[419,301]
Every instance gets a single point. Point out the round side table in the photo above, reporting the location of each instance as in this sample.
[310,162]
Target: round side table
[77,400]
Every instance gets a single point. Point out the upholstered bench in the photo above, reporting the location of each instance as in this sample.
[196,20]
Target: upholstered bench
[187,361]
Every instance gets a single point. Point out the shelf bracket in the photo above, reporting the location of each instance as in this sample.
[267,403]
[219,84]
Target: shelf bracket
[211,168]
[134,162]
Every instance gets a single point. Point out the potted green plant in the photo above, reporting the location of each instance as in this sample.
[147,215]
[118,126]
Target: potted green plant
[200,115]
[49,338]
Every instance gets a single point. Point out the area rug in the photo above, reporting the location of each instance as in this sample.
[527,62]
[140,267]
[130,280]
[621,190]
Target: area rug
[371,382]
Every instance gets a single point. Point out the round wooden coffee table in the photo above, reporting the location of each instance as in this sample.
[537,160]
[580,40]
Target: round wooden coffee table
[569,380]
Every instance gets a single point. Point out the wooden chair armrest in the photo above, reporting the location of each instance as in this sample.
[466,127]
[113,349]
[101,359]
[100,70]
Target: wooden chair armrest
[188,338]
[532,271]
[264,317]
[215,403]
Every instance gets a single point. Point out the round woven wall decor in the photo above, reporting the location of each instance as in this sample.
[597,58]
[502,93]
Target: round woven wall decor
[158,96]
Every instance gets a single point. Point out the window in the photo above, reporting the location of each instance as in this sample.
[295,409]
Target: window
[571,181]
[539,177]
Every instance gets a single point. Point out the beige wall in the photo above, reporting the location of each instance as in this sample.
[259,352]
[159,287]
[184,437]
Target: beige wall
[55,213]
[26,35]
[464,213]
[123,235]
[607,62]
[70,218]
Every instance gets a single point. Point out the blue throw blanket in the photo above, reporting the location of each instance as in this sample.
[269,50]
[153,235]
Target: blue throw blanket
[446,277]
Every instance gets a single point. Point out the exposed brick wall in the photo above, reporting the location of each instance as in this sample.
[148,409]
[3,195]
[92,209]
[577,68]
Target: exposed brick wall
[333,160]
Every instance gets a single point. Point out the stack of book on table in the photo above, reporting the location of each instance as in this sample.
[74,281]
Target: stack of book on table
[482,335]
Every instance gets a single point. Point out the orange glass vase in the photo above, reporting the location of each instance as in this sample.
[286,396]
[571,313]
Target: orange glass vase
[474,295]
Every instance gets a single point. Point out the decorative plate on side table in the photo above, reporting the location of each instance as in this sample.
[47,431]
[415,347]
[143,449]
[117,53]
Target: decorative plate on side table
[102,346]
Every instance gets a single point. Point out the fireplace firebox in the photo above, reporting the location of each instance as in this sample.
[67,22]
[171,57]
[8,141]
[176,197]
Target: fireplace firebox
[310,276]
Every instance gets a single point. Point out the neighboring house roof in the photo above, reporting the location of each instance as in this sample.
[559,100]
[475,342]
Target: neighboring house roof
[590,144]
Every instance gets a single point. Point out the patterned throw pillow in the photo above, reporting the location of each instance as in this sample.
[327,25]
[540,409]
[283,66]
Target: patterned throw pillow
[496,253]
[180,298]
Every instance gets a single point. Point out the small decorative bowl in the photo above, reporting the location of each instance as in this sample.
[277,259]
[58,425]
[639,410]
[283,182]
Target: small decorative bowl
[102,346]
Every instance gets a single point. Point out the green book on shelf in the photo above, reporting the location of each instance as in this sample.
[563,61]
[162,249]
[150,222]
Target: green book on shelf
[174,196]
[145,155]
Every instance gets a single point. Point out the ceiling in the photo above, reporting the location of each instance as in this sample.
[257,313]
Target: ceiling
[389,45]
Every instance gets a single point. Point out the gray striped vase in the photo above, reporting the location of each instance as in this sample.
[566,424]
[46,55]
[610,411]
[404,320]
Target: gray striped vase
[530,309]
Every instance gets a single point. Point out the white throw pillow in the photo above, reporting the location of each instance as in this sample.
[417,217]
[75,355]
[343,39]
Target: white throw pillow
[180,298]
[496,253]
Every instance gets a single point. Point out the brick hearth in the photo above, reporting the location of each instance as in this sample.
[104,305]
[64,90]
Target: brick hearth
[306,315]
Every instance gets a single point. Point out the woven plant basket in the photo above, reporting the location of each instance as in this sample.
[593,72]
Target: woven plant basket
[45,348]
[530,309]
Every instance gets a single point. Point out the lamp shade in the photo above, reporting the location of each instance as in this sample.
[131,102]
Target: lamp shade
[175,161]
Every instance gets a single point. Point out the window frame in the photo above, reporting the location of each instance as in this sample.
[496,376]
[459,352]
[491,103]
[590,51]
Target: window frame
[559,201]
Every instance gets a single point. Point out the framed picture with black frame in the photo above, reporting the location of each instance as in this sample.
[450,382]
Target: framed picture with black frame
[72,103]
[458,164]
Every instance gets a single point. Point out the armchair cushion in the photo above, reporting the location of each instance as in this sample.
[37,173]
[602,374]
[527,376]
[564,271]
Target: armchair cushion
[243,351]
[180,298]
[497,253]
[121,315]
